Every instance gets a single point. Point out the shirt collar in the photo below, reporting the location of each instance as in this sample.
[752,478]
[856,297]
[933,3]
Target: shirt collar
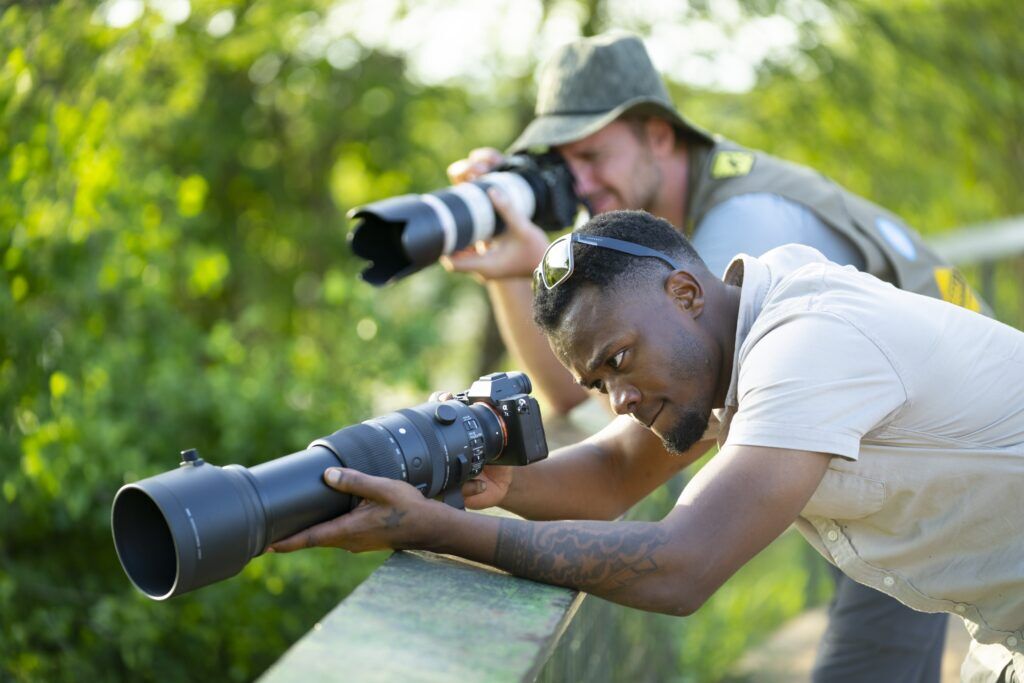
[754,279]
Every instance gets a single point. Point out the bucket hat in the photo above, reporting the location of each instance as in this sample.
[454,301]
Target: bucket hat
[589,83]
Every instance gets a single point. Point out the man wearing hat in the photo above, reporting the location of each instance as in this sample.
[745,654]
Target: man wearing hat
[604,108]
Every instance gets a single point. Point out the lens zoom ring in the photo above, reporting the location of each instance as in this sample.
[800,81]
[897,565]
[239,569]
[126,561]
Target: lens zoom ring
[426,427]
[368,450]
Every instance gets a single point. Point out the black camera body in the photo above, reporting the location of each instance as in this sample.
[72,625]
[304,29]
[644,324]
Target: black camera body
[552,184]
[520,414]
[199,523]
[402,235]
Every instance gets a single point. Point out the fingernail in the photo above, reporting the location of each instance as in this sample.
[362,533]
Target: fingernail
[333,475]
[496,195]
[481,487]
[270,550]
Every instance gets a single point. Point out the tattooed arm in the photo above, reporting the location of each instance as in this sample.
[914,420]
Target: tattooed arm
[612,560]
[737,504]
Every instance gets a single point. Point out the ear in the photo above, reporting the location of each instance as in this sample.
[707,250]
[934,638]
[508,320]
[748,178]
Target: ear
[660,136]
[686,292]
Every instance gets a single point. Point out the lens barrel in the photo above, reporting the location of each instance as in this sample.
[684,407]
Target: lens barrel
[198,524]
[402,235]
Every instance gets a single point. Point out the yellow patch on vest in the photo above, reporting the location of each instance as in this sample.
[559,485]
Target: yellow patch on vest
[955,290]
[731,163]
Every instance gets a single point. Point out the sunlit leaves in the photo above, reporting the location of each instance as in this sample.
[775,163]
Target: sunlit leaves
[175,273]
[192,195]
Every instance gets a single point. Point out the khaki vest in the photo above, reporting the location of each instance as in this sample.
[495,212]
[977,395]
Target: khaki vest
[891,250]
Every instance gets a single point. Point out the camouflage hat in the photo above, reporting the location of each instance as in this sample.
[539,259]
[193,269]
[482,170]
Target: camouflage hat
[589,83]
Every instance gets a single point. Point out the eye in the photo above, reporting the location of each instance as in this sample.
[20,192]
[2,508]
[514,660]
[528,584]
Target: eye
[615,362]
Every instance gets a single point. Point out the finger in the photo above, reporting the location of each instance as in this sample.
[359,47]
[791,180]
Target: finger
[439,396]
[485,158]
[481,160]
[358,483]
[448,262]
[485,155]
[515,220]
[313,537]
[458,171]
[473,487]
[467,261]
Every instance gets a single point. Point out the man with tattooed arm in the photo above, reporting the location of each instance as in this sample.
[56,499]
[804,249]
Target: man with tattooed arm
[886,425]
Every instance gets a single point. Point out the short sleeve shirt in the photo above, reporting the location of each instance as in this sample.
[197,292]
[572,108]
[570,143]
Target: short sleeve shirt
[922,402]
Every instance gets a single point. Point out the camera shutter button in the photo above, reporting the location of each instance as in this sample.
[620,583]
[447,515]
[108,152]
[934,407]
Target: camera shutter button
[445,414]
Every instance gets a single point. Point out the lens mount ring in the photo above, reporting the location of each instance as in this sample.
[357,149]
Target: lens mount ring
[501,422]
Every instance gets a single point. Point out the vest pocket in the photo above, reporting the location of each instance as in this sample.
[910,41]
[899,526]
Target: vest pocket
[843,495]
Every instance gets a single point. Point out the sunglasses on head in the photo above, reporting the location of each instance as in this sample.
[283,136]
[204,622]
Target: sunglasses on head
[557,263]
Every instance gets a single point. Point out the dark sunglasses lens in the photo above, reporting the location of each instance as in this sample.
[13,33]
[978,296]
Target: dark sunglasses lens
[557,264]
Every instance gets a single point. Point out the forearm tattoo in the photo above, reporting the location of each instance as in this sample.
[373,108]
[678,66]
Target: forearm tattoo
[579,555]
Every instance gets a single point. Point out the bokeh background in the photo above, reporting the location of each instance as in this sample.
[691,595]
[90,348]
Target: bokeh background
[174,178]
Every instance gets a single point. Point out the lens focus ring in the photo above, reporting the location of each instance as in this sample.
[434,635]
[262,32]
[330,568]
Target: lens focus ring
[361,447]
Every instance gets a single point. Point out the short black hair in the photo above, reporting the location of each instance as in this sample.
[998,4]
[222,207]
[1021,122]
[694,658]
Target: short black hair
[604,268]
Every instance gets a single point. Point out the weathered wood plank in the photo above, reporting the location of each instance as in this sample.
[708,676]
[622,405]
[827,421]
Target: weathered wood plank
[427,617]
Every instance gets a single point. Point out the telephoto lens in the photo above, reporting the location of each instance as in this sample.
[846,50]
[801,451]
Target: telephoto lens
[402,235]
[199,523]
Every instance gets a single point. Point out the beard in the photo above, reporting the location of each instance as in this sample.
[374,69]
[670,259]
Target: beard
[650,184]
[687,430]
[690,359]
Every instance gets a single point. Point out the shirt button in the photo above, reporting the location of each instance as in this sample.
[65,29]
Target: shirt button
[889,581]
[1011,641]
[960,609]
[833,535]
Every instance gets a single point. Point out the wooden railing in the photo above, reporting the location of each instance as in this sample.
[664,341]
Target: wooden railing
[425,617]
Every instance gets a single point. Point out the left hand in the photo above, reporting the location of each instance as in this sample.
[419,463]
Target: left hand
[392,515]
[514,253]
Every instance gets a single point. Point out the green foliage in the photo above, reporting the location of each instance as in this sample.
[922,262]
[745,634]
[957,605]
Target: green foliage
[782,581]
[175,274]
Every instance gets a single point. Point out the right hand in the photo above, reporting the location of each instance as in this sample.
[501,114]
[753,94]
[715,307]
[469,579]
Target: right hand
[479,161]
[514,253]
[489,488]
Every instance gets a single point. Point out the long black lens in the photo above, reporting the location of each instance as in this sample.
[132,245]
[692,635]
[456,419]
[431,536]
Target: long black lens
[192,526]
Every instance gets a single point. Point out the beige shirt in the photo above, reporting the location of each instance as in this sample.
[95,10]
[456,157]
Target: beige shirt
[922,401]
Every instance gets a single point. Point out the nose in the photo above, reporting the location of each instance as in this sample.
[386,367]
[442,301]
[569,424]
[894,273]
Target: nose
[624,398]
[583,178]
